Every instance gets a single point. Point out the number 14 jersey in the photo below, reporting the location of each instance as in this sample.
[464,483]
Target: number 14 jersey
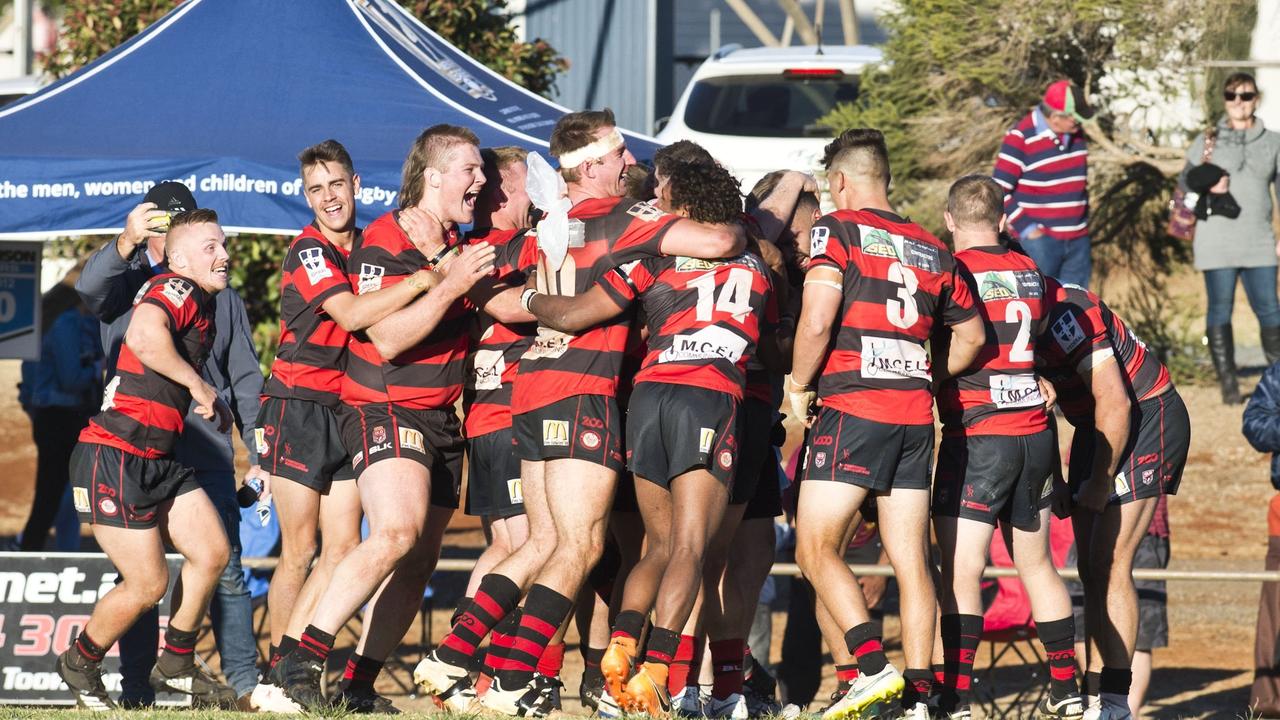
[898,279]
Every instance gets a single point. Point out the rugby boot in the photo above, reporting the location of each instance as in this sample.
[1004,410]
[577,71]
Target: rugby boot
[551,687]
[918,711]
[866,691]
[1222,350]
[963,713]
[364,702]
[616,666]
[688,702]
[733,707]
[84,678]
[523,701]
[760,689]
[591,689]
[1108,711]
[199,683]
[269,697]
[299,675]
[608,707]
[449,684]
[1070,707]
[646,695]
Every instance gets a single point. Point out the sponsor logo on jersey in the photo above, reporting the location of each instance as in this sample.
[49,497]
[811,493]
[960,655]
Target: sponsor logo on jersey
[176,291]
[515,492]
[108,506]
[708,343]
[411,439]
[590,439]
[706,438]
[487,370]
[688,264]
[893,358]
[921,255]
[818,238]
[1067,332]
[555,433]
[645,211]
[260,441]
[819,459]
[1122,483]
[997,285]
[370,278]
[379,434]
[877,242]
[80,497]
[1030,283]
[1015,391]
[548,344]
[313,262]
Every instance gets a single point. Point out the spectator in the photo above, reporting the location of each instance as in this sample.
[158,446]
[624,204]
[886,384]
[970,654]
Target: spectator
[1244,246]
[1043,167]
[60,392]
[111,279]
[1262,430]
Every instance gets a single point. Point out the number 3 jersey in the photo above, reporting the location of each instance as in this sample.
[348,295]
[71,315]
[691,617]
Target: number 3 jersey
[897,279]
[998,394]
[704,317]
[142,410]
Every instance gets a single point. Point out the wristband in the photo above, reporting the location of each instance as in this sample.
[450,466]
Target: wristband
[441,255]
[526,297]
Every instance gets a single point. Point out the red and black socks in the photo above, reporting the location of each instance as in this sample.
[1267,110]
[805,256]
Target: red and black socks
[88,651]
[315,644]
[1059,638]
[961,635]
[552,660]
[361,673]
[496,597]
[544,611]
[864,643]
[727,657]
[845,675]
[919,686]
[628,624]
[279,652]
[179,653]
[679,674]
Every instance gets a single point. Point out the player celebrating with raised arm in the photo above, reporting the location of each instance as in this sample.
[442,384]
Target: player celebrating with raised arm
[126,483]
[1132,435]
[997,455]
[404,374]
[298,437]
[881,282]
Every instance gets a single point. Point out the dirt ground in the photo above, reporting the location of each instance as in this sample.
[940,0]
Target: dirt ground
[1218,522]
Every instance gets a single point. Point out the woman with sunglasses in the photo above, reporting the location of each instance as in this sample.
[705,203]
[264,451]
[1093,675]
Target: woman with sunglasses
[1244,247]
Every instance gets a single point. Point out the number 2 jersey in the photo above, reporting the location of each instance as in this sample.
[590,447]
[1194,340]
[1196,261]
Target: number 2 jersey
[998,394]
[557,365]
[704,317]
[142,410]
[1082,333]
[897,279]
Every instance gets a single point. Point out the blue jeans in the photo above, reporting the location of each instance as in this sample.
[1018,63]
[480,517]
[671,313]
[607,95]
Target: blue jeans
[1070,261]
[1259,287]
[231,613]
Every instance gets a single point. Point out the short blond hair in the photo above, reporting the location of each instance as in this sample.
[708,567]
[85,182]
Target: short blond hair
[433,148]
[976,201]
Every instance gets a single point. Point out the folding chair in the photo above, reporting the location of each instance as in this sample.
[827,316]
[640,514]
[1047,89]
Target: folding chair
[1016,674]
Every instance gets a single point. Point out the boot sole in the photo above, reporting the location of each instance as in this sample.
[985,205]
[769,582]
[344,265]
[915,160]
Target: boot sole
[854,712]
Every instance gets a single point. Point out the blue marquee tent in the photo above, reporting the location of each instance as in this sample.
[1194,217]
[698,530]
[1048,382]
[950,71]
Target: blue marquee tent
[222,94]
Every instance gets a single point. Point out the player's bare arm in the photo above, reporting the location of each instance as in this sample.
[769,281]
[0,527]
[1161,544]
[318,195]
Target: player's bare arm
[573,313]
[823,290]
[499,301]
[774,212]
[1111,416]
[966,341]
[690,238]
[149,338]
[357,312]
[405,328]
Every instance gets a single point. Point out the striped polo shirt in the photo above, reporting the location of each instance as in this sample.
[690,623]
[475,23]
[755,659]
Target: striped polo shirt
[1044,175]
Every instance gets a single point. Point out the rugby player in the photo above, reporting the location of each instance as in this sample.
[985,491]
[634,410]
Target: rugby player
[565,415]
[404,374]
[995,462]
[297,436]
[704,319]
[884,282]
[126,483]
[1132,434]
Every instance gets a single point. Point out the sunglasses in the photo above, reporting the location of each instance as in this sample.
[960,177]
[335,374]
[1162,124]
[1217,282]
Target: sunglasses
[1245,96]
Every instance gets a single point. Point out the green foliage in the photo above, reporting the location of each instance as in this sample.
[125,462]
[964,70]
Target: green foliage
[255,272]
[91,28]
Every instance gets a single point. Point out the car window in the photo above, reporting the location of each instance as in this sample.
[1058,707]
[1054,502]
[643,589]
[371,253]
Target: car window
[766,105]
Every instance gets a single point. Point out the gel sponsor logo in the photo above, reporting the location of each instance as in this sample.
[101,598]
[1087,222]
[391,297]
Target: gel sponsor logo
[997,285]
[688,264]
[555,433]
[875,241]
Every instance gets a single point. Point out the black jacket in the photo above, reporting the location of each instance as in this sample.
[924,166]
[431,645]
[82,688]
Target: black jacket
[1262,419]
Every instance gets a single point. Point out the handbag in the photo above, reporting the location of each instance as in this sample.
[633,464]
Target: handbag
[1182,214]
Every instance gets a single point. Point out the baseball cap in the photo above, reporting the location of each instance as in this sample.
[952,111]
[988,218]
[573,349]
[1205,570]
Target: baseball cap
[1063,96]
[172,197]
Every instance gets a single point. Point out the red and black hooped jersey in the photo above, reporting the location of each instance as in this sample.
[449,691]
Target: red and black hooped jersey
[558,366]
[142,410]
[495,356]
[999,394]
[898,279]
[1082,333]
[428,375]
[311,359]
[704,317]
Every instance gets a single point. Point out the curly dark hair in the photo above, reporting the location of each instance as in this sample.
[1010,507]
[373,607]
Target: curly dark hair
[705,190]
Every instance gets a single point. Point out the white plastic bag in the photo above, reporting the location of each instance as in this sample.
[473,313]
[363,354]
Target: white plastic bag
[548,193]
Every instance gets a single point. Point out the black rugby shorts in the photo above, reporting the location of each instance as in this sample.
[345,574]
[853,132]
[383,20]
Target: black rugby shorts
[583,427]
[873,455]
[119,489]
[431,438]
[493,476]
[672,429]
[995,477]
[301,440]
[1153,459]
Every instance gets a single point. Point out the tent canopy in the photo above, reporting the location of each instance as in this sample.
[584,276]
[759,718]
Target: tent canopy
[222,94]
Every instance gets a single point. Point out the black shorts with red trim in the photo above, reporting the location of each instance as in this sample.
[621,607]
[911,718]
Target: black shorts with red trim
[301,440]
[119,489]
[756,482]
[995,477]
[493,476]
[431,438]
[583,427]
[1153,459]
[869,454]
[672,429]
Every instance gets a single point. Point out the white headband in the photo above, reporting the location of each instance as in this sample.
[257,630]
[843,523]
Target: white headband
[597,148]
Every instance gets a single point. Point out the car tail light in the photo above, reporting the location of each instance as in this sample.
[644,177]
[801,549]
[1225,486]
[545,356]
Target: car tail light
[813,73]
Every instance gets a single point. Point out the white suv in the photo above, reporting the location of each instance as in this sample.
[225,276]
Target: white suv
[756,110]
